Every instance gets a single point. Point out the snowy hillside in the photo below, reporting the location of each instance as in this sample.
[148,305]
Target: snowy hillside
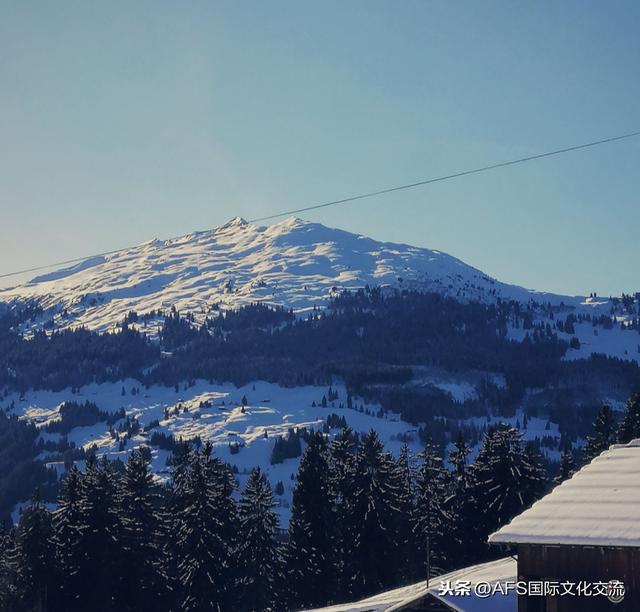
[445,376]
[213,413]
[296,264]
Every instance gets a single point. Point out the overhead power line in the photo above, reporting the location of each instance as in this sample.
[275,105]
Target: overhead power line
[447,177]
[61,263]
[362,196]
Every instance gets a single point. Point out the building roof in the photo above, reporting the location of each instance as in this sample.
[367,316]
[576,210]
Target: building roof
[502,570]
[598,506]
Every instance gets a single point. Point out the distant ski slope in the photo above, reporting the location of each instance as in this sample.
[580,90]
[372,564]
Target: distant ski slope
[296,264]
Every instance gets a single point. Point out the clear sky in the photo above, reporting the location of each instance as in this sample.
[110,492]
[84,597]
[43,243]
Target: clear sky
[124,121]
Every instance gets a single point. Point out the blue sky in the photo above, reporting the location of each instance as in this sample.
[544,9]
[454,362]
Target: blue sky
[124,121]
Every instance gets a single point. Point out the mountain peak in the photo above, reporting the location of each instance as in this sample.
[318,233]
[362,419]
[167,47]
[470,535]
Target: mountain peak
[293,263]
[232,223]
[294,222]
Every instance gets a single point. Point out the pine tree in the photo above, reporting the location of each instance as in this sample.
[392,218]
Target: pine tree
[9,596]
[432,523]
[140,577]
[604,435]
[35,556]
[201,549]
[460,504]
[507,478]
[227,514]
[169,522]
[310,551]
[342,457]
[372,520]
[630,425]
[68,534]
[258,552]
[405,542]
[458,459]
[567,466]
[98,573]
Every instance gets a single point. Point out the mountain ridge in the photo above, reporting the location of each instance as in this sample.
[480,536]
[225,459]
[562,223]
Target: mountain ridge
[296,264]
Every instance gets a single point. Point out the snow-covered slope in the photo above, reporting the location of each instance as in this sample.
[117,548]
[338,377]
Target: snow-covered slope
[213,413]
[294,263]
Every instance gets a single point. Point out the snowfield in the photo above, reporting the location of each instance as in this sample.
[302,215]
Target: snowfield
[295,263]
[270,412]
[614,342]
[216,413]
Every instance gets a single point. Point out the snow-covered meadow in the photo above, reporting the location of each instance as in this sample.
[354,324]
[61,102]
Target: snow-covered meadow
[215,413]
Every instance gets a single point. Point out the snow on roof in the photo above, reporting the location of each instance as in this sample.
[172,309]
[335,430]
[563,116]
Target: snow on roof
[501,570]
[598,506]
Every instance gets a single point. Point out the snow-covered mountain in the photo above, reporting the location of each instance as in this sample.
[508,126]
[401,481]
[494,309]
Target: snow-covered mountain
[295,263]
[298,265]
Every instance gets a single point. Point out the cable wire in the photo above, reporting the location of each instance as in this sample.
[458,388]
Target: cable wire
[448,177]
[362,196]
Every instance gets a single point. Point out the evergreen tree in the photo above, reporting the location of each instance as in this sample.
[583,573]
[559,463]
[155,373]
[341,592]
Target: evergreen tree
[140,577]
[604,435]
[227,515]
[458,459]
[567,466]
[169,521]
[405,545]
[35,557]
[342,471]
[68,534]
[98,572]
[372,520]
[310,551]
[258,553]
[630,425]
[9,595]
[432,523]
[507,478]
[202,552]
[459,505]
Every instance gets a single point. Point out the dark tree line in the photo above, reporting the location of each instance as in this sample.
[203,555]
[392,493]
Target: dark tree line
[20,473]
[607,430]
[119,541]
[362,521]
[365,337]
[289,446]
[371,340]
[360,333]
[74,414]
[71,358]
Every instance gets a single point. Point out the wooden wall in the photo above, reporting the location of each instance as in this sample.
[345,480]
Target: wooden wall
[575,563]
